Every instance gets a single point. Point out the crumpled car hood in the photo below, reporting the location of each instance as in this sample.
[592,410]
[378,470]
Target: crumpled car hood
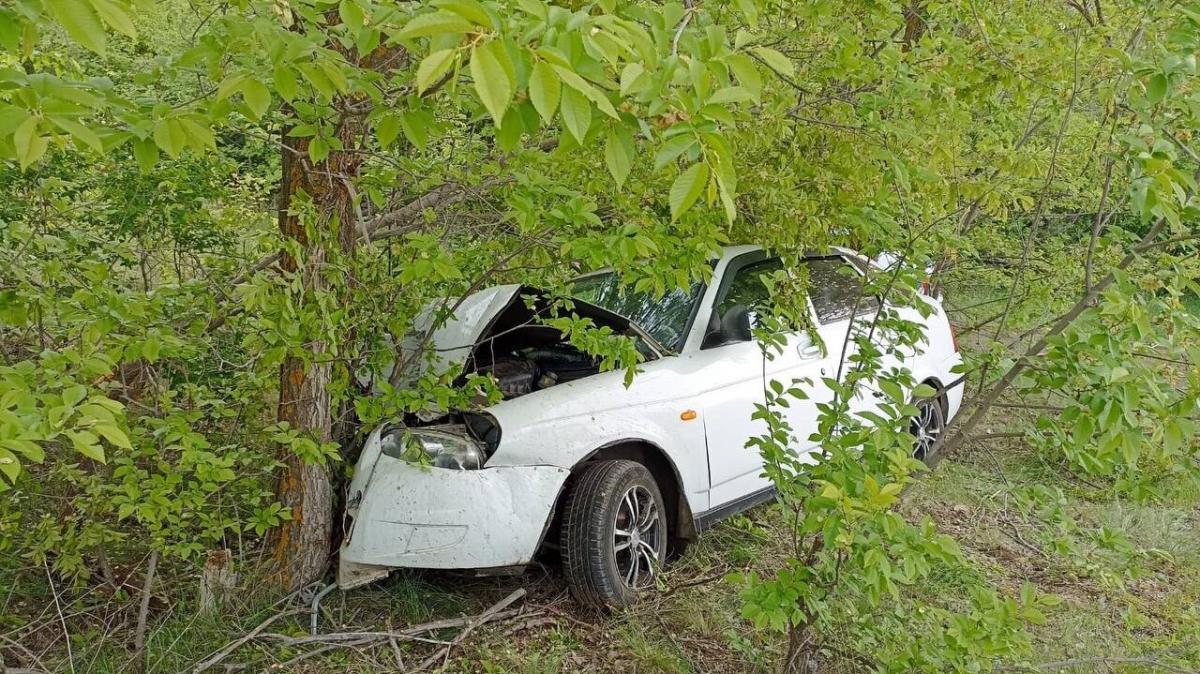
[451,342]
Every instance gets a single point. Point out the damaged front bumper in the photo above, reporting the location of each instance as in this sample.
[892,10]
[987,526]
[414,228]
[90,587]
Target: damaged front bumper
[402,515]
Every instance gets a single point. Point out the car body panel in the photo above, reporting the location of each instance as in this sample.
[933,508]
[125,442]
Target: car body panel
[418,516]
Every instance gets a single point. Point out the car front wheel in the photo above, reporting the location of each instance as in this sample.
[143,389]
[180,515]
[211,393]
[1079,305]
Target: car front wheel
[614,534]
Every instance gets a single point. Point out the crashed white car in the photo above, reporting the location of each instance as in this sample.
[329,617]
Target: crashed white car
[573,461]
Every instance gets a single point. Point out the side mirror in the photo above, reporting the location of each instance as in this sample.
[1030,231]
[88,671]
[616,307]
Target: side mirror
[733,327]
[735,324]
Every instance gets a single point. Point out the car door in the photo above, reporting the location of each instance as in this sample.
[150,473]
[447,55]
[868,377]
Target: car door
[741,373]
[835,288]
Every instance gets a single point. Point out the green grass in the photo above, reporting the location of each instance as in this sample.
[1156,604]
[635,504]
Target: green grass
[1137,599]
[1193,304]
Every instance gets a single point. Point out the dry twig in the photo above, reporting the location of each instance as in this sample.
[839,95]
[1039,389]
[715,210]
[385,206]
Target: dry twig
[486,616]
[139,635]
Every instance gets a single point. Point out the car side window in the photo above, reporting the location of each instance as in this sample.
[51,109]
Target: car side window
[834,287]
[747,287]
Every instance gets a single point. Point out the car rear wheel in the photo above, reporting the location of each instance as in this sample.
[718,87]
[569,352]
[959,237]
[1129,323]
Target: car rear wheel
[614,534]
[927,426]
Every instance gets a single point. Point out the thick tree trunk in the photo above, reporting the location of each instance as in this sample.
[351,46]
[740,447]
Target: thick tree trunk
[301,546]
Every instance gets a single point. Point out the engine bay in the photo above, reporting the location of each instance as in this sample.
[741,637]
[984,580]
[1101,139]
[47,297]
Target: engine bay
[525,355]
[525,370]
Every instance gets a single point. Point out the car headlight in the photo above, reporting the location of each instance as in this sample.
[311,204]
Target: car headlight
[441,449]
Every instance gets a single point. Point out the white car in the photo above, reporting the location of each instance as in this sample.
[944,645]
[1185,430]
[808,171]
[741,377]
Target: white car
[574,460]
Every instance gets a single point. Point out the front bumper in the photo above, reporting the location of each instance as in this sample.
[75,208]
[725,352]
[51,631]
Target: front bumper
[434,518]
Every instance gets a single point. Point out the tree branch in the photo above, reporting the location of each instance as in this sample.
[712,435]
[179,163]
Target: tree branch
[963,431]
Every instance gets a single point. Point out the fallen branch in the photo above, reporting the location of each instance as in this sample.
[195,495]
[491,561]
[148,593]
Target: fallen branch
[408,634]
[139,634]
[337,640]
[695,582]
[1079,662]
[286,665]
[486,616]
[28,655]
[237,643]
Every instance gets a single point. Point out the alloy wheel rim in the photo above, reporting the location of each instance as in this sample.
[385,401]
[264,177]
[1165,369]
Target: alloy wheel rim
[926,428]
[636,537]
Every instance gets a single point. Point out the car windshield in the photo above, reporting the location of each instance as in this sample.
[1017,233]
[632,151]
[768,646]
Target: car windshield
[663,318]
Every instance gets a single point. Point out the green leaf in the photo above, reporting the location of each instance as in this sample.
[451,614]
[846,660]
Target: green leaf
[351,14]
[150,348]
[285,83]
[30,146]
[687,188]
[732,95]
[333,70]
[924,391]
[673,148]
[318,79]
[747,73]
[619,153]
[32,450]
[169,136]
[576,113]
[545,90]
[318,150]
[435,23]
[467,9]
[387,129]
[749,9]
[87,444]
[80,21]
[508,137]
[489,68]
[778,62]
[115,16]
[73,394]
[1156,88]
[416,125]
[257,97]
[114,435]
[230,85]
[433,67]
[9,465]
[574,81]
[630,77]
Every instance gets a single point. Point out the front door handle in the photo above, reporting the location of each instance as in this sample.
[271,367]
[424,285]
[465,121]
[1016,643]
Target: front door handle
[809,352]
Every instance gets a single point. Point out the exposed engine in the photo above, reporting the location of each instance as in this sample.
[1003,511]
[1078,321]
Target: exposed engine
[534,368]
[525,355]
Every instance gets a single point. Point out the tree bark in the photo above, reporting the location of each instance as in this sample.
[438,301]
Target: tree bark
[301,546]
[800,658]
[914,24]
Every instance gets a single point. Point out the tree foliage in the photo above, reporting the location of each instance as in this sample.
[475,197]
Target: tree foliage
[212,207]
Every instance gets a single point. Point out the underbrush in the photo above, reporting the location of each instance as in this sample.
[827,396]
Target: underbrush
[1128,575]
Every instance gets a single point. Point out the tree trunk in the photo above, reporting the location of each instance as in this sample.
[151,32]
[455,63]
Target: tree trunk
[301,546]
[914,24]
[800,658]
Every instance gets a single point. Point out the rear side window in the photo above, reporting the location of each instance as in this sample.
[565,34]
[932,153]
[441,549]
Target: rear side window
[834,287]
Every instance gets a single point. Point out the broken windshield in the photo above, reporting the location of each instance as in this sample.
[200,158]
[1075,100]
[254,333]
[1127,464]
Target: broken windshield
[665,318]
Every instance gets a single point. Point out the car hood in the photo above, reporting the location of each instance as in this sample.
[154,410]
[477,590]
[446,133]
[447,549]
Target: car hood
[451,341]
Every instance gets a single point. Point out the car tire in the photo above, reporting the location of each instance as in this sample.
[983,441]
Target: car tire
[607,562]
[927,427]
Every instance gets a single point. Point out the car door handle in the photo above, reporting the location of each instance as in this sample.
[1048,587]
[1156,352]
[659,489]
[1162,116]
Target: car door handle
[809,352]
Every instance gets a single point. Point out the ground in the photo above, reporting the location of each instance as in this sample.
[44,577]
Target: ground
[1128,574]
